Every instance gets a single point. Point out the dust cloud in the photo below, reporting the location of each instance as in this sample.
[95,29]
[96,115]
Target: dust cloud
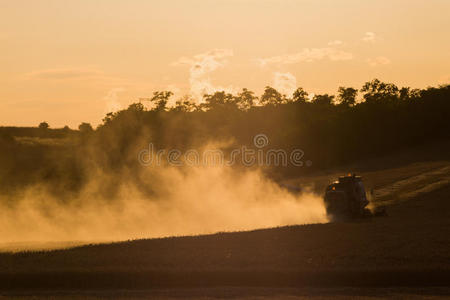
[199,200]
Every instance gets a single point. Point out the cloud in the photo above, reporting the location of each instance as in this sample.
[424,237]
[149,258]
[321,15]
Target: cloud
[369,37]
[335,43]
[112,100]
[206,62]
[380,60]
[307,55]
[67,73]
[201,66]
[285,83]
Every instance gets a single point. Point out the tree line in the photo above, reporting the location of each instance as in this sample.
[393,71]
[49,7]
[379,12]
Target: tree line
[330,129]
[354,125]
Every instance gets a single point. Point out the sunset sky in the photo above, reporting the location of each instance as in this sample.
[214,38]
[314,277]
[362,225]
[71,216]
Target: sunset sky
[66,62]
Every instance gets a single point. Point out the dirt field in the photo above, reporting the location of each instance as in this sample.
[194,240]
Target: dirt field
[405,254]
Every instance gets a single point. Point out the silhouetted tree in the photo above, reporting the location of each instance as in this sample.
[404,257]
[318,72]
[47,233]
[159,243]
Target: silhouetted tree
[109,117]
[300,95]
[160,100]
[217,100]
[85,128]
[347,96]
[185,104]
[406,93]
[271,97]
[44,125]
[245,99]
[324,99]
[136,107]
[376,90]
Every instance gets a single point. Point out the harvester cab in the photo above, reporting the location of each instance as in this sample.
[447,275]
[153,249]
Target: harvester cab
[346,198]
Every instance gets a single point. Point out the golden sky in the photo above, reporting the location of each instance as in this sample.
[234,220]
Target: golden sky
[70,61]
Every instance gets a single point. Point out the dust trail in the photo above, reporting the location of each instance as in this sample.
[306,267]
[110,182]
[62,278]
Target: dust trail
[200,200]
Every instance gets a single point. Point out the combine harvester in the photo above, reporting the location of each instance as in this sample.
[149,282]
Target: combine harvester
[346,199]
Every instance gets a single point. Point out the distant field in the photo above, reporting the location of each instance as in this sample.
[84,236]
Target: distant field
[45,141]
